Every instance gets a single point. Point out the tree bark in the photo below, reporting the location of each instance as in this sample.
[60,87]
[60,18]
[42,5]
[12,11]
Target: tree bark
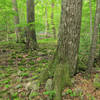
[94,38]
[46,22]
[31,41]
[91,31]
[16,20]
[66,55]
[68,44]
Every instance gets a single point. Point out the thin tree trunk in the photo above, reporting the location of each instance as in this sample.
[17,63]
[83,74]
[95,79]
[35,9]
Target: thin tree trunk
[52,19]
[46,22]
[94,38]
[91,32]
[16,20]
[31,41]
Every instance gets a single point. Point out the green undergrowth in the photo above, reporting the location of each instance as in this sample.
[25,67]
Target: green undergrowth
[21,66]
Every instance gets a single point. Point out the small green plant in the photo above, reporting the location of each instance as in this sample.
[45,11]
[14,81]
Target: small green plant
[34,94]
[91,97]
[13,56]
[11,61]
[22,69]
[23,93]
[73,93]
[96,81]
[5,81]
[6,75]
[69,91]
[51,94]
[14,95]
[7,86]
[23,60]
[20,56]
[1,85]
[24,74]
[18,86]
[97,85]
[31,62]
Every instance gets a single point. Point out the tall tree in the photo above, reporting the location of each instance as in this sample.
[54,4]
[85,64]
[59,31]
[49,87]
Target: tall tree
[31,41]
[52,19]
[46,22]
[16,20]
[65,58]
[90,5]
[68,44]
[94,37]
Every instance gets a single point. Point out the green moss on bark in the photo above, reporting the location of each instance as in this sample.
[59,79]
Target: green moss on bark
[61,79]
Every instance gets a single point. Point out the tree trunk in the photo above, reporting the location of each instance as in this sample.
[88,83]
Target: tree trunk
[68,44]
[94,38]
[91,32]
[16,20]
[46,23]
[31,41]
[66,55]
[52,19]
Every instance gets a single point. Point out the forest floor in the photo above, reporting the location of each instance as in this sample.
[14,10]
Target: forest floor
[18,68]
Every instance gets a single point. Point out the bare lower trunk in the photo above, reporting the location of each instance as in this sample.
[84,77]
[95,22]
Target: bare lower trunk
[94,38]
[31,41]
[16,20]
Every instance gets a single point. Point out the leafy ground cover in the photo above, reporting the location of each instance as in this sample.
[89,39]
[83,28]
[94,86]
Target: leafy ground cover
[19,68]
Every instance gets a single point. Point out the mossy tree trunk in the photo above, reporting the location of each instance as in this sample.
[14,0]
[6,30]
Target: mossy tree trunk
[68,44]
[66,55]
[31,41]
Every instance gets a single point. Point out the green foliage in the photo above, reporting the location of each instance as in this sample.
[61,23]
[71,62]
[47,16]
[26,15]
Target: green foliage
[51,94]
[96,82]
[75,93]
[24,74]
[69,91]
[91,97]
[5,81]
[34,94]
[7,86]
[86,16]
[15,95]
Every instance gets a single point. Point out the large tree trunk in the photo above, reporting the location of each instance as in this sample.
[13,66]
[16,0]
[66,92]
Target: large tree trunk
[16,20]
[94,38]
[66,55]
[52,19]
[68,44]
[31,41]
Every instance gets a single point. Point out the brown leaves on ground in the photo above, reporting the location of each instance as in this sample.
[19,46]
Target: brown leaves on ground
[86,85]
